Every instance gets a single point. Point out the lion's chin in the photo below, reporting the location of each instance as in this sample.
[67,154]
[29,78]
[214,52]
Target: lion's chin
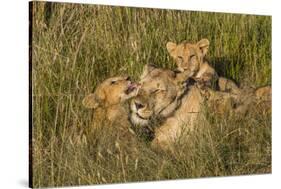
[137,120]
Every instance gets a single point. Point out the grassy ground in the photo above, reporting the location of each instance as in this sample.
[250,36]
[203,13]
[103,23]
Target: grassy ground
[74,47]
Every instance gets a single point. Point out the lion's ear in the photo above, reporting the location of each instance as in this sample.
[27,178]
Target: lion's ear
[171,47]
[146,70]
[93,100]
[203,45]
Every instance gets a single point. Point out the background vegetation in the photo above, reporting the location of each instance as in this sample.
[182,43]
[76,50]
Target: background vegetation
[75,47]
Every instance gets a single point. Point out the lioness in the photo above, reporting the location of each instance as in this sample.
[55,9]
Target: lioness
[158,97]
[190,60]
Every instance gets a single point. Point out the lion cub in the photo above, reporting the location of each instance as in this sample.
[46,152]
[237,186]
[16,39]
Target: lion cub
[109,97]
[110,111]
[191,63]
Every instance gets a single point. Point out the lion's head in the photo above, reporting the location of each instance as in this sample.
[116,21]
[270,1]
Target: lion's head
[158,95]
[112,91]
[188,56]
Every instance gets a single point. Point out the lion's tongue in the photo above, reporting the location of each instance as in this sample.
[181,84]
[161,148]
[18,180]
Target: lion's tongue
[131,87]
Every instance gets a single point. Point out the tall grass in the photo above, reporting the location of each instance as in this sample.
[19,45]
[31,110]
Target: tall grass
[75,47]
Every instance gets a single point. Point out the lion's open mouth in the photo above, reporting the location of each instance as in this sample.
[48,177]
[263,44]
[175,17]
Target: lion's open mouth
[137,119]
[139,116]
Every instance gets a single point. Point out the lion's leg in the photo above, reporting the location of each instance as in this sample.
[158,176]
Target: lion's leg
[166,135]
[227,85]
[263,93]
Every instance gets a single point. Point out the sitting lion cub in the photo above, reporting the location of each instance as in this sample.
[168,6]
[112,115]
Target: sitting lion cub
[190,60]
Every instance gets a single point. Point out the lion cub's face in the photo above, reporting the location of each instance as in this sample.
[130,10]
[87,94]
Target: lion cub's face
[188,56]
[110,92]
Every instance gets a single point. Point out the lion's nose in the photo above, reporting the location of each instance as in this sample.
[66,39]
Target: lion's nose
[139,105]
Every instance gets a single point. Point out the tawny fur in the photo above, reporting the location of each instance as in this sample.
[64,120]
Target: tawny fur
[109,102]
[191,62]
[188,109]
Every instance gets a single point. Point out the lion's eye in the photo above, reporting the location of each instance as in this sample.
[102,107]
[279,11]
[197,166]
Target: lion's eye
[180,57]
[192,57]
[157,90]
[112,82]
